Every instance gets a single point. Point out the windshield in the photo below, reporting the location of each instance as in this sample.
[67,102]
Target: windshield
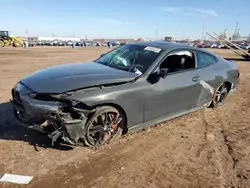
[131,58]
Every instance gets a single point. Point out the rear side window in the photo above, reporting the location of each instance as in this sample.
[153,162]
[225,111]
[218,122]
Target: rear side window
[204,59]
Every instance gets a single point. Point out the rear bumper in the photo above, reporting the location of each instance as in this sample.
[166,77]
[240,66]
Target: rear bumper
[234,86]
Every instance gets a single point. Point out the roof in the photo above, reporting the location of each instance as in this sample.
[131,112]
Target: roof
[170,45]
[162,44]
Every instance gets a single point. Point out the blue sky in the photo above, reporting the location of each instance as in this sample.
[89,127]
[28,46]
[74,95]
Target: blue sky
[124,18]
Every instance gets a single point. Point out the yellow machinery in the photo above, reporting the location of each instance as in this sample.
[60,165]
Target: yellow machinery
[6,40]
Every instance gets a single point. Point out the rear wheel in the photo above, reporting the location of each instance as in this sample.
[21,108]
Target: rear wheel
[1,44]
[106,124]
[220,96]
[247,57]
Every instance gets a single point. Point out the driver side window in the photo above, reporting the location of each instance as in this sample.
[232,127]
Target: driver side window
[178,61]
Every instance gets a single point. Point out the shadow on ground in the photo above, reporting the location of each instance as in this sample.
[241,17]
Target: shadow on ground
[237,59]
[10,129]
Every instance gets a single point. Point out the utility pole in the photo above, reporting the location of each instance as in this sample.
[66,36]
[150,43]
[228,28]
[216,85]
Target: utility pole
[202,32]
[156,34]
[182,35]
[236,34]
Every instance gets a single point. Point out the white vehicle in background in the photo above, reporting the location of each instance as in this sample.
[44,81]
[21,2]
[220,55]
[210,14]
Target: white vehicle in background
[221,46]
[245,46]
[214,45]
[69,43]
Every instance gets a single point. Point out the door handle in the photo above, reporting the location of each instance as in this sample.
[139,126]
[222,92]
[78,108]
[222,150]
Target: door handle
[195,79]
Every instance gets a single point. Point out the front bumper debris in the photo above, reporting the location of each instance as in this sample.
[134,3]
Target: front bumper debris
[55,118]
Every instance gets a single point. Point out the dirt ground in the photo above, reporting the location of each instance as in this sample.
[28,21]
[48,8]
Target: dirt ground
[208,148]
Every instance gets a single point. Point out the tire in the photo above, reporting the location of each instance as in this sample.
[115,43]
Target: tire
[17,43]
[221,91]
[247,57]
[118,128]
[1,44]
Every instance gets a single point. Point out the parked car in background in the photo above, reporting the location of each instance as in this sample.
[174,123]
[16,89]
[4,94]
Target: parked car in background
[122,43]
[214,45]
[79,43]
[190,44]
[41,43]
[221,46]
[69,43]
[104,43]
[217,45]
[206,45]
[32,44]
[61,43]
[29,43]
[198,45]
[245,46]
[131,87]
[98,44]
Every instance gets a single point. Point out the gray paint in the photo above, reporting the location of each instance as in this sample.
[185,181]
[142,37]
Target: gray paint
[59,79]
[142,99]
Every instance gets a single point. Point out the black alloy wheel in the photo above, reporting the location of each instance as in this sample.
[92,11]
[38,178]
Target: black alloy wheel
[104,125]
[220,95]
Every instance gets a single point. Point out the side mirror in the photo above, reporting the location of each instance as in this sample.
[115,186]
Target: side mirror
[163,73]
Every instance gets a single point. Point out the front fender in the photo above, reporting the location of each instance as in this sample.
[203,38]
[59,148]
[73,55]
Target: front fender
[131,100]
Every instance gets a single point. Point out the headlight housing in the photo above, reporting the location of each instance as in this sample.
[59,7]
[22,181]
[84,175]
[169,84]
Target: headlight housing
[22,89]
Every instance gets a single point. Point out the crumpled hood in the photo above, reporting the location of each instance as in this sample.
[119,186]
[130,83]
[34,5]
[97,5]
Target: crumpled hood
[63,78]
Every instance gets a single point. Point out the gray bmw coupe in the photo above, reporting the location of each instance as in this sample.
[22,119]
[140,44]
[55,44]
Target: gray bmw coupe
[131,87]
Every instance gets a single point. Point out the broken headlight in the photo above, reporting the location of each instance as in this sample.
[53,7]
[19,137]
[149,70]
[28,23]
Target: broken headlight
[22,89]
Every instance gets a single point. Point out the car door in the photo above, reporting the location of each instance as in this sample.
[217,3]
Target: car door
[209,72]
[178,92]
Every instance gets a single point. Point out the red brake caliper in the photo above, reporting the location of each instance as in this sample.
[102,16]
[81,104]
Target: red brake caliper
[114,125]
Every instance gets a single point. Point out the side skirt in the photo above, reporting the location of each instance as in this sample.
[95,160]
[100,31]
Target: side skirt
[160,120]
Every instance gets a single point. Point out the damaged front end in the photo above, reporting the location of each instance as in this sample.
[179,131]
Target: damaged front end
[51,114]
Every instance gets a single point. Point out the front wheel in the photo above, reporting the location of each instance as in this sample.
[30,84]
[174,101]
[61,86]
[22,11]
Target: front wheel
[219,96]
[106,124]
[17,43]
[1,44]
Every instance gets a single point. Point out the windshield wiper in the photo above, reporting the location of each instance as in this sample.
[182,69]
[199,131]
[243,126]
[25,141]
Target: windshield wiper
[117,67]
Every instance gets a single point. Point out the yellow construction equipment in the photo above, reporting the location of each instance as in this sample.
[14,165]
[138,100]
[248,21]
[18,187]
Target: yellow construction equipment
[6,40]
